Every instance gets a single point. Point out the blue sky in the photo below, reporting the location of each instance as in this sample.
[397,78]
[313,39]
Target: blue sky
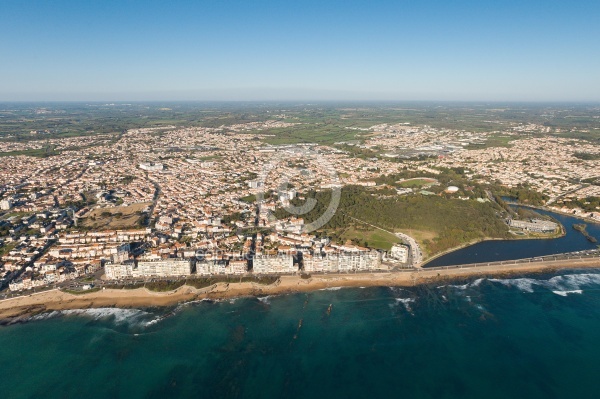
[303,50]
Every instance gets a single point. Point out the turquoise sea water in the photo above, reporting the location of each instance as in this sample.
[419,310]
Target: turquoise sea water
[529,337]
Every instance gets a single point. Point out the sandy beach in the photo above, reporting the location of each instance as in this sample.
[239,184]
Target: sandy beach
[16,309]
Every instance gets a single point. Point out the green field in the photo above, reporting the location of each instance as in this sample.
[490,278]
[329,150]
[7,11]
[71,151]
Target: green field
[417,182]
[444,222]
[321,133]
[497,140]
[324,122]
[371,237]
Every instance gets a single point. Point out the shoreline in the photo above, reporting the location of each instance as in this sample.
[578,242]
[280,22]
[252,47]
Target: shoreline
[562,233]
[552,210]
[15,310]
[468,244]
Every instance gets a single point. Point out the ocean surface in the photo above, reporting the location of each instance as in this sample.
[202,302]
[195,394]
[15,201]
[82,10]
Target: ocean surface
[531,337]
[491,251]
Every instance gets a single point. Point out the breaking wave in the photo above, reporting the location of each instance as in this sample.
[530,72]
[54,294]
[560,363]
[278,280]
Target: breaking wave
[463,287]
[406,303]
[265,299]
[195,302]
[523,284]
[565,293]
[119,316]
[559,285]
[401,299]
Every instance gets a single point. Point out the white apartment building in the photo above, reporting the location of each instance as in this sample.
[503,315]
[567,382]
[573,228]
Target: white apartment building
[165,267]
[149,268]
[151,166]
[264,264]
[208,268]
[238,267]
[255,184]
[6,204]
[399,253]
[117,271]
[343,262]
[320,264]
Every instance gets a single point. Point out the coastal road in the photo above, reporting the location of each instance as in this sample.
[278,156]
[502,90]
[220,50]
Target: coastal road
[435,273]
[20,306]
[416,255]
[545,260]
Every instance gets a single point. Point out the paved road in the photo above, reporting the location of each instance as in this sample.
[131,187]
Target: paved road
[575,257]
[416,255]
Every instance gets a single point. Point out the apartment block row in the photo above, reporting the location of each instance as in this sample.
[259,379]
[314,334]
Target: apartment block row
[342,262]
[207,268]
[173,267]
[262,264]
[153,268]
[267,264]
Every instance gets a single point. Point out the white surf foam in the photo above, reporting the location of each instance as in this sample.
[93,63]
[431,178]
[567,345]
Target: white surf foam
[566,293]
[570,282]
[523,284]
[560,285]
[46,316]
[463,287]
[405,302]
[265,299]
[119,316]
[195,302]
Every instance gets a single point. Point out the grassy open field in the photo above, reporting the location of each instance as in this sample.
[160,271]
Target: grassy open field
[375,238]
[417,182]
[454,222]
[321,133]
[496,140]
[119,217]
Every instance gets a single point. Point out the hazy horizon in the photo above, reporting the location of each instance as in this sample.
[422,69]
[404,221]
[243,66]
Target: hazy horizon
[49,98]
[308,101]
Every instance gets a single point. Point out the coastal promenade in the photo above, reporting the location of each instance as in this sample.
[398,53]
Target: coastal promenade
[546,260]
[19,308]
